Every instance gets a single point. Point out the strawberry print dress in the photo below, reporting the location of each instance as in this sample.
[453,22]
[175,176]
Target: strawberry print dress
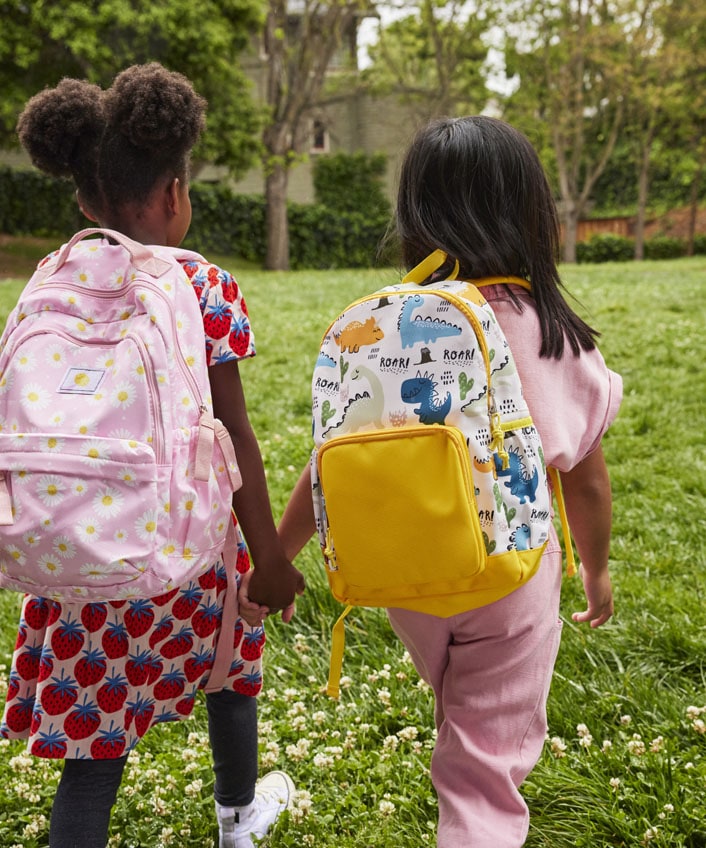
[88,680]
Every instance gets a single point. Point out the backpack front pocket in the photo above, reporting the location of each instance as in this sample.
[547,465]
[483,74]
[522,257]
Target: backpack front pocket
[401,514]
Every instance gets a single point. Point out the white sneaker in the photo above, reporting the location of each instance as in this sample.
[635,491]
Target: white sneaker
[238,826]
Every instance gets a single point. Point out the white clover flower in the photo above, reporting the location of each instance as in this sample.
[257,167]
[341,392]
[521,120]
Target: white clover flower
[606,746]
[693,712]
[625,720]
[384,697]
[194,788]
[636,746]
[582,730]
[189,754]
[407,734]
[309,839]
[299,722]
[657,744]
[297,708]
[688,766]
[650,834]
[668,808]
[699,725]
[557,746]
[346,682]
[323,760]
[290,694]
[385,672]
[319,717]
[614,783]
[390,743]
[387,808]
[586,741]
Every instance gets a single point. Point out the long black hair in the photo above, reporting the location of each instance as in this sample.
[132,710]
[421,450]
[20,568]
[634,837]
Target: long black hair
[475,188]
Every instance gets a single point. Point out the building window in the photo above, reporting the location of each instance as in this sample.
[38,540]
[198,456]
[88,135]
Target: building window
[319,137]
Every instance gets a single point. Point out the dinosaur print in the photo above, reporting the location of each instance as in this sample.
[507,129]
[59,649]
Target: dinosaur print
[355,334]
[520,484]
[422,390]
[425,330]
[365,408]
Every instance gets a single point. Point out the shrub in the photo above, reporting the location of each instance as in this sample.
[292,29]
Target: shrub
[700,245]
[32,204]
[664,247]
[351,182]
[605,248]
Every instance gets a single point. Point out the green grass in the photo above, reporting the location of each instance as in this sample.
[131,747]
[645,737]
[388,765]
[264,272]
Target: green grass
[364,761]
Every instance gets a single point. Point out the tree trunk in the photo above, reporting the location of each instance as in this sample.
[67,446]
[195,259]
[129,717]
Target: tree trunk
[642,192]
[277,255]
[571,225]
[694,208]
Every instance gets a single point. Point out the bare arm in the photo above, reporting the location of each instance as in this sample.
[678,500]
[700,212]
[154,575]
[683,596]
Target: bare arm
[275,582]
[588,500]
[298,525]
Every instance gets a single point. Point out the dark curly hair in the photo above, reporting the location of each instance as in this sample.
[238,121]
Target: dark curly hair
[61,128]
[120,144]
[153,118]
[475,187]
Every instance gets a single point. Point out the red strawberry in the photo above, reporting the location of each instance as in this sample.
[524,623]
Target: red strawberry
[253,643]
[236,667]
[185,706]
[117,604]
[51,744]
[19,716]
[90,669]
[170,686]
[112,694]
[109,745]
[217,318]
[37,715]
[187,602]
[198,664]
[27,663]
[161,600]
[21,635]
[205,620]
[36,612]
[239,338]
[93,616]
[60,695]
[242,563]
[67,640]
[229,288]
[138,618]
[54,613]
[137,668]
[248,684]
[141,710]
[83,720]
[238,632]
[221,578]
[115,641]
[207,580]
[154,669]
[46,666]
[181,643]
[164,627]
[13,685]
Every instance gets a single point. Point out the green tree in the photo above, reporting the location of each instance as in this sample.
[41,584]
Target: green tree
[571,60]
[301,41]
[434,57]
[44,40]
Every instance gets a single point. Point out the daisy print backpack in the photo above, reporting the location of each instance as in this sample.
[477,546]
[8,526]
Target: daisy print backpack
[116,481]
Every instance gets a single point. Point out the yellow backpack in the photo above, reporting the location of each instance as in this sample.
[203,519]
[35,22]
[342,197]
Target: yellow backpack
[429,482]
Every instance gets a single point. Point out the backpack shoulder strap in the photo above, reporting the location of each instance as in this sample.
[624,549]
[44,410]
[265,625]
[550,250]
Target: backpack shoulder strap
[555,477]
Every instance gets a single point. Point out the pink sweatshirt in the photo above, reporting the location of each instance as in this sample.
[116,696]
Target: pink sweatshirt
[573,400]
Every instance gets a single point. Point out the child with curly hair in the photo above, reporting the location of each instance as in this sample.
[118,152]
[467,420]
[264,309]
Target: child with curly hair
[127,150]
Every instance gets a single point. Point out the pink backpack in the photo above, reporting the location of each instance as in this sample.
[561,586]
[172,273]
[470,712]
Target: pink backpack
[115,479]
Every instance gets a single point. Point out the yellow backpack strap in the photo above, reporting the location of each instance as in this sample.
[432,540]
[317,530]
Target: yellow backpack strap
[338,642]
[427,266]
[555,477]
[498,281]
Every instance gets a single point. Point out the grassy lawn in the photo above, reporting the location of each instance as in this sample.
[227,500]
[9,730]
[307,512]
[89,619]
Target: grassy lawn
[625,761]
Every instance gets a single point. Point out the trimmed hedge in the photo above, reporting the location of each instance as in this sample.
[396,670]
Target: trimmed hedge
[223,222]
[610,248]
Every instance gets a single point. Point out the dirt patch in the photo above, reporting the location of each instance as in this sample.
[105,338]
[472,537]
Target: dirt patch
[19,255]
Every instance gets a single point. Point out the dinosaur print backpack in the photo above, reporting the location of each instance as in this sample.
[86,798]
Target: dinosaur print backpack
[429,483]
[115,479]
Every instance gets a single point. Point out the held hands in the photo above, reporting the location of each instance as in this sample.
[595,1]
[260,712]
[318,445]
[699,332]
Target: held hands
[268,589]
[599,595]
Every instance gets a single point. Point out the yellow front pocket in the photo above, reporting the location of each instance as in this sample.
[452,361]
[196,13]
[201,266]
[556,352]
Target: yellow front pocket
[402,516]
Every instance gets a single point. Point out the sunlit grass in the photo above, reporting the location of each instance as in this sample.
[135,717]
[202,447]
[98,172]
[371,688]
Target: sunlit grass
[362,764]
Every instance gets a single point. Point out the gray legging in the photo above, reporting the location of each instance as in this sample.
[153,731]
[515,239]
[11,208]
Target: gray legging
[88,788]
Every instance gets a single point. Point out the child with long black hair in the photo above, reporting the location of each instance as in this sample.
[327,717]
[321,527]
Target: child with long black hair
[127,150]
[473,192]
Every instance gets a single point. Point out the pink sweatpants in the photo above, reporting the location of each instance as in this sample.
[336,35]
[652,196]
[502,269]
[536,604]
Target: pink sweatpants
[490,670]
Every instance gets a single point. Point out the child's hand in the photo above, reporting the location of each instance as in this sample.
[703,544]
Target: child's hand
[254,614]
[599,594]
[275,585]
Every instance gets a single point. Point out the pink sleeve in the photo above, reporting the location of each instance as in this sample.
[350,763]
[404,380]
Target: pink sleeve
[573,400]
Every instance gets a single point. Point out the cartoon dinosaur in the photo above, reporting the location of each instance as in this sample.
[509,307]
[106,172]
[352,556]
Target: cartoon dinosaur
[519,484]
[365,408]
[422,389]
[426,330]
[521,538]
[355,334]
